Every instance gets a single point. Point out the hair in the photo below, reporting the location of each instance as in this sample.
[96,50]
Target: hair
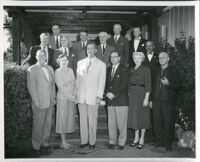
[141,54]
[163,52]
[150,42]
[118,26]
[44,34]
[60,57]
[103,33]
[91,42]
[65,36]
[39,51]
[137,27]
[56,25]
[115,52]
[83,31]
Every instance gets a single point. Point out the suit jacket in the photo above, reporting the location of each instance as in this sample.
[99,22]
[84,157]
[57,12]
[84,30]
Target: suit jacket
[52,42]
[40,89]
[118,86]
[122,47]
[32,53]
[166,93]
[141,48]
[72,58]
[79,51]
[106,56]
[91,84]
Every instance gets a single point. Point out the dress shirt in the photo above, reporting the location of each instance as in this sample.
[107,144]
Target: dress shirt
[150,55]
[44,69]
[89,62]
[103,47]
[57,37]
[46,50]
[116,37]
[83,44]
[114,67]
[65,50]
[136,43]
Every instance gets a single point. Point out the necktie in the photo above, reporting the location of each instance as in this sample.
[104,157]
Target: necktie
[113,72]
[115,39]
[57,45]
[103,49]
[65,52]
[44,49]
[89,64]
[149,53]
[83,45]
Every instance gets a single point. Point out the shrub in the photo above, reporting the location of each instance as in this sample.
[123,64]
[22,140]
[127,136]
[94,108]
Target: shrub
[17,104]
[183,58]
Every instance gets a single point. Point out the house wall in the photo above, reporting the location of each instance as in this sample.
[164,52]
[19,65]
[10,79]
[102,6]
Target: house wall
[177,20]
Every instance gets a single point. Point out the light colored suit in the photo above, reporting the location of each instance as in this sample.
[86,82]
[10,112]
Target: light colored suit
[90,85]
[42,92]
[52,42]
[105,57]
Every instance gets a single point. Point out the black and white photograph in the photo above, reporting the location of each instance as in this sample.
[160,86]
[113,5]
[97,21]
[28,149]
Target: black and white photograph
[100,80]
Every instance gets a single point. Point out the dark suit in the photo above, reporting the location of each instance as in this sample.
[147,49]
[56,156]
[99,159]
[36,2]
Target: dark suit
[118,106]
[164,105]
[72,58]
[141,48]
[153,65]
[32,53]
[105,57]
[80,52]
[122,47]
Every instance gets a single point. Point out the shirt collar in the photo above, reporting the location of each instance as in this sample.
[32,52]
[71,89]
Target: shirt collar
[115,66]
[150,53]
[91,59]
[137,38]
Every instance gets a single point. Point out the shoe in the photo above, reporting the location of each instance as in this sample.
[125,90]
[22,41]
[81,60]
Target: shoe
[133,144]
[92,147]
[120,147]
[111,146]
[66,146]
[140,146]
[158,145]
[83,145]
[36,152]
[45,145]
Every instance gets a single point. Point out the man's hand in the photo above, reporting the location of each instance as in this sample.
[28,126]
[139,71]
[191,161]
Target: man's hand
[164,81]
[145,102]
[110,95]
[98,100]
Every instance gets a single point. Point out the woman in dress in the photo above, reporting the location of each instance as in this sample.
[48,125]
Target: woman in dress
[65,115]
[139,90]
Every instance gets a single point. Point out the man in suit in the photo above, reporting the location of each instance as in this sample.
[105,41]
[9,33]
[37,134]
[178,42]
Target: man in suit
[40,83]
[120,43]
[80,46]
[151,61]
[117,101]
[54,41]
[104,50]
[136,45]
[164,92]
[91,77]
[68,51]
[44,39]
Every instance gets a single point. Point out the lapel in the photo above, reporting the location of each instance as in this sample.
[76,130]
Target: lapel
[119,40]
[41,73]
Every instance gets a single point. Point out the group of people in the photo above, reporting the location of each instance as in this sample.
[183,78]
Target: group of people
[137,84]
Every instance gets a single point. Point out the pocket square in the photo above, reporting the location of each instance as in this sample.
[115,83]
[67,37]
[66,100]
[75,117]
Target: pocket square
[118,76]
[72,55]
[142,44]
[122,44]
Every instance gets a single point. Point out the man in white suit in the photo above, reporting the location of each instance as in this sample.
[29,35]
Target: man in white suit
[40,83]
[91,76]
[54,41]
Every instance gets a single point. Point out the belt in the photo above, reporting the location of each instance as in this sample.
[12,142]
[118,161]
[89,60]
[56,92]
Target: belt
[140,85]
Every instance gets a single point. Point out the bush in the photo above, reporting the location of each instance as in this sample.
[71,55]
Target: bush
[183,58]
[17,104]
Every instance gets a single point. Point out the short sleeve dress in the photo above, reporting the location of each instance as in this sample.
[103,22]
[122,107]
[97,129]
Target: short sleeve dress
[65,114]
[139,83]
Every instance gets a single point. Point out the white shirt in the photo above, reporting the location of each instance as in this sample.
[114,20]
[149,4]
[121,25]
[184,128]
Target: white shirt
[65,49]
[150,56]
[114,66]
[104,46]
[44,69]
[136,43]
[83,43]
[47,53]
[57,37]
[89,62]
[116,36]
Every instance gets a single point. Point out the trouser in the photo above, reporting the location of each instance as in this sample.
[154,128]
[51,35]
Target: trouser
[164,116]
[41,126]
[117,121]
[88,123]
